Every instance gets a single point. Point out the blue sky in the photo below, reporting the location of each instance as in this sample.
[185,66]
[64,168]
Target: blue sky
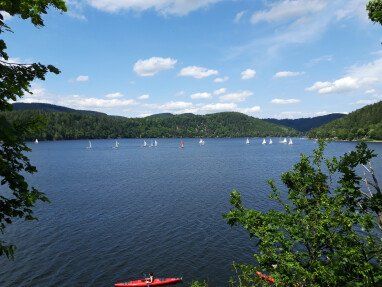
[280,59]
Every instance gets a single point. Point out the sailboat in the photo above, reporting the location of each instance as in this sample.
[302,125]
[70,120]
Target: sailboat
[264,141]
[201,142]
[155,143]
[181,144]
[90,145]
[151,144]
[270,141]
[116,144]
[36,141]
[144,143]
[290,142]
[247,141]
[284,141]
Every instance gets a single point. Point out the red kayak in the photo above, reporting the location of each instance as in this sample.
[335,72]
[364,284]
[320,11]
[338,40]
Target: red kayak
[156,282]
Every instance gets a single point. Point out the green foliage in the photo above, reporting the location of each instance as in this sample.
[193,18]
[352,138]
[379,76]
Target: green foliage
[81,125]
[325,233]
[306,124]
[199,284]
[362,124]
[374,9]
[17,198]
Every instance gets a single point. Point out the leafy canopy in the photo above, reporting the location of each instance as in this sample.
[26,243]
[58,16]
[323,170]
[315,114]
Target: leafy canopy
[17,198]
[325,234]
[374,9]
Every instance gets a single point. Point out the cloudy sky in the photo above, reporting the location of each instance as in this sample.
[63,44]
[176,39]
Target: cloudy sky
[280,58]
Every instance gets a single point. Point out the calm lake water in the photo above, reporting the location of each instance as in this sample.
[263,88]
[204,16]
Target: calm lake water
[118,213]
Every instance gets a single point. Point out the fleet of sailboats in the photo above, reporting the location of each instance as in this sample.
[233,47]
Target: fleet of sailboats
[154,143]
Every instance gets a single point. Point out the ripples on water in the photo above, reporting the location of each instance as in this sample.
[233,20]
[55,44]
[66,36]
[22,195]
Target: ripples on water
[118,213]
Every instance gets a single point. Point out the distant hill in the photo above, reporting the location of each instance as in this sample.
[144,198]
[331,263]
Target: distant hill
[47,107]
[364,123]
[61,123]
[162,115]
[306,124]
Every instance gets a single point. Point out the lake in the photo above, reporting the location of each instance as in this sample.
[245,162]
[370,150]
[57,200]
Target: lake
[118,213]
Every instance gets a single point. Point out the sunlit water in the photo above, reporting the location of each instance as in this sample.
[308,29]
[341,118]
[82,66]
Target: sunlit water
[118,213]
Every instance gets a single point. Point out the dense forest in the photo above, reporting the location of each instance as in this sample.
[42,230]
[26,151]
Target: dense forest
[362,124]
[306,124]
[83,124]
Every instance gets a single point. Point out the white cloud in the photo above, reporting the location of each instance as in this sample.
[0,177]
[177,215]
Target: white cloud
[82,79]
[239,16]
[75,9]
[165,7]
[365,102]
[240,96]
[86,103]
[371,91]
[152,66]
[175,105]
[288,9]
[220,91]
[248,74]
[298,114]
[345,84]
[114,95]
[143,97]
[249,111]
[353,8]
[197,72]
[357,77]
[285,74]
[285,101]
[221,80]
[200,96]
[218,107]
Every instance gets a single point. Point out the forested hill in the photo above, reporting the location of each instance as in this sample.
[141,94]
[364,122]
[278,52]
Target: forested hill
[365,123]
[80,125]
[48,107]
[306,124]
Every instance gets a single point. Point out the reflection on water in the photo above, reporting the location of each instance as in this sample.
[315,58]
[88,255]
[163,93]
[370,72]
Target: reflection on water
[119,212]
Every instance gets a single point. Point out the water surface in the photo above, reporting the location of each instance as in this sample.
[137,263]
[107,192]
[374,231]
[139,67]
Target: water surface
[118,213]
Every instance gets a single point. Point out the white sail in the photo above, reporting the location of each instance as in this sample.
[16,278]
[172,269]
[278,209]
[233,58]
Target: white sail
[270,141]
[116,144]
[36,141]
[264,141]
[155,143]
[247,141]
[144,143]
[284,141]
[290,142]
[201,142]
[151,144]
[90,145]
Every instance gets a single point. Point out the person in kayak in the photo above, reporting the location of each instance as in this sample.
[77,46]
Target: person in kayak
[151,278]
